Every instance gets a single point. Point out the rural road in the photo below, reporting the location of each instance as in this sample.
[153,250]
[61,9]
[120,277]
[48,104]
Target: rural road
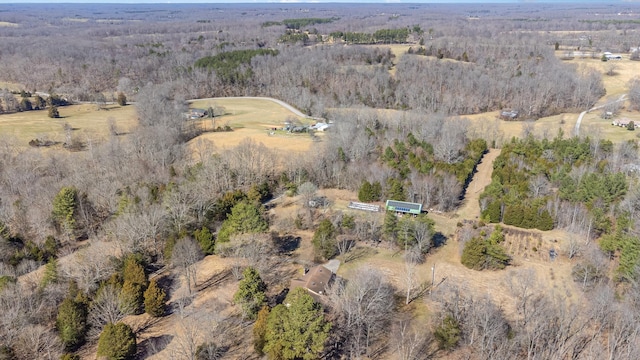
[576,131]
[279,102]
[470,209]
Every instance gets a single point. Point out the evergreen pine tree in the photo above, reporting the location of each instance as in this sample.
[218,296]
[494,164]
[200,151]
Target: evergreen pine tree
[134,284]
[245,218]
[260,330]
[298,330]
[250,292]
[117,342]
[324,240]
[64,207]
[154,300]
[365,192]
[71,322]
[390,226]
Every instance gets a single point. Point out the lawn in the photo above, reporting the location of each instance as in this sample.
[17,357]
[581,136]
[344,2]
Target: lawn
[84,119]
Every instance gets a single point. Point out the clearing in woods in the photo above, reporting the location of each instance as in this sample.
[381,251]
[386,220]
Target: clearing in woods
[529,249]
[254,119]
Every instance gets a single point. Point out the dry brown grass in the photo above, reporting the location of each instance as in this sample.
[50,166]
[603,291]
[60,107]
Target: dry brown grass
[11,86]
[84,119]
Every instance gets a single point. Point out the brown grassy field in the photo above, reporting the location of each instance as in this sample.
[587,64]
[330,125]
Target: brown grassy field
[254,119]
[84,119]
[11,86]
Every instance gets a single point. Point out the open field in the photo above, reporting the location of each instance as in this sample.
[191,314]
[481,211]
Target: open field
[249,118]
[25,126]
[616,84]
[254,119]
[11,86]
[8,24]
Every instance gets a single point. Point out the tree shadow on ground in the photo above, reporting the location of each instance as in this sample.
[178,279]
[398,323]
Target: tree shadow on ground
[439,239]
[166,283]
[153,345]
[286,244]
[216,279]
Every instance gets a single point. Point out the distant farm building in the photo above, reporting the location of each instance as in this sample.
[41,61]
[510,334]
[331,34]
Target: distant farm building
[623,122]
[321,126]
[610,56]
[404,207]
[315,281]
[197,113]
[509,114]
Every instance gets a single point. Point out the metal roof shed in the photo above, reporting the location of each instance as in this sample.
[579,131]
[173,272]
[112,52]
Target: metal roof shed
[404,207]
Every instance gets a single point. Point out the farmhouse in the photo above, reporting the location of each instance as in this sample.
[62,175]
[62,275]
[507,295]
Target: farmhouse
[197,113]
[610,56]
[315,281]
[321,126]
[404,207]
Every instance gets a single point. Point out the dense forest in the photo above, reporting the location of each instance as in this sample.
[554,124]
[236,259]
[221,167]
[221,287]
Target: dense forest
[96,235]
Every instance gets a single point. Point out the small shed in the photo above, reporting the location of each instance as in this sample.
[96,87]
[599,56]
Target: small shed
[404,207]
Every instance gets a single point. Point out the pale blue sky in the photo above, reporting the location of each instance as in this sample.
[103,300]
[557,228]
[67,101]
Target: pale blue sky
[305,1]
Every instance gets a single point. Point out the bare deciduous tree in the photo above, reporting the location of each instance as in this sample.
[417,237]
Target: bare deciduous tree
[107,307]
[363,305]
[186,253]
[410,341]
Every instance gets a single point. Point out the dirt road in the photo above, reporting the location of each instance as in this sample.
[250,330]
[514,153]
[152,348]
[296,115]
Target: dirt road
[470,209]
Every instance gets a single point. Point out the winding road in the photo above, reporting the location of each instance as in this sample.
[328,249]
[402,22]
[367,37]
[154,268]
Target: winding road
[576,131]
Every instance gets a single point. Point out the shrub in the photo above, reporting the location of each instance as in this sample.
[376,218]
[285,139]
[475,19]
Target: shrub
[53,112]
[447,334]
[480,254]
[204,237]
[117,342]
[122,99]
[208,351]
[69,356]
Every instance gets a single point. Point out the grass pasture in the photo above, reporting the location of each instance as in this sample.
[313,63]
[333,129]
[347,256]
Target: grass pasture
[85,118]
[8,24]
[254,119]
